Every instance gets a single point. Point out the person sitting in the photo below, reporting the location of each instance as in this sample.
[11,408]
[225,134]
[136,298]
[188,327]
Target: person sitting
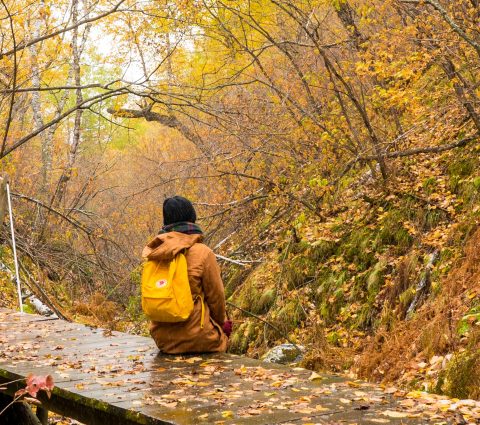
[197,334]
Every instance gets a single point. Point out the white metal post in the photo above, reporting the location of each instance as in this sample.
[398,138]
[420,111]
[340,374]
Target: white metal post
[14,247]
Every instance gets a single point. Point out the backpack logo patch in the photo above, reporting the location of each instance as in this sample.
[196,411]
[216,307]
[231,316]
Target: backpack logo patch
[161,283]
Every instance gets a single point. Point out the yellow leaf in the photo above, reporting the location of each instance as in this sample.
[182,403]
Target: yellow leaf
[227,414]
[315,377]
[394,414]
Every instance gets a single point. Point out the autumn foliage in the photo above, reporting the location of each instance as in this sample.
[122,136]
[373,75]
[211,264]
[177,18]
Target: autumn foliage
[330,148]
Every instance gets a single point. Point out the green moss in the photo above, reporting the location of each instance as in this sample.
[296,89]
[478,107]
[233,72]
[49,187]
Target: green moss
[462,377]
[265,302]
[476,183]
[27,308]
[330,296]
[365,316]
[468,191]
[376,278]
[236,276]
[462,167]
[248,295]
[322,250]
[429,185]
[242,337]
[333,338]
[298,271]
[300,247]
[406,297]
[393,233]
[458,171]
[471,318]
[286,319]
[432,219]
[359,248]
[291,314]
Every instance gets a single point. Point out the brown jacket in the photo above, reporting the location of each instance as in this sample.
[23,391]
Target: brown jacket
[205,280]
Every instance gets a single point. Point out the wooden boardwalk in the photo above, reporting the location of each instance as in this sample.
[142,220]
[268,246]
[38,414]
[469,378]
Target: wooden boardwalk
[104,377]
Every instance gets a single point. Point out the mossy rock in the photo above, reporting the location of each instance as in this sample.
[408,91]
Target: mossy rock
[284,354]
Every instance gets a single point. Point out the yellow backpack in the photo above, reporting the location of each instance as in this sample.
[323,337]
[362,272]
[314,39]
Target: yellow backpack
[166,294]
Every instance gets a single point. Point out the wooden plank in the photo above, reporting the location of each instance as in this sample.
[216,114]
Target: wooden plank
[111,378]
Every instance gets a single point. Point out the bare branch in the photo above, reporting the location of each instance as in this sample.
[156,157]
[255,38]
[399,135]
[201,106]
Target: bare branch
[66,29]
[83,105]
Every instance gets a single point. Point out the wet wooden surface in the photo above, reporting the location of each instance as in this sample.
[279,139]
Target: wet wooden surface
[104,377]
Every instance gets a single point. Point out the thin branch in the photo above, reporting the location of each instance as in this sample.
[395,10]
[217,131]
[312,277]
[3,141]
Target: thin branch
[92,100]
[429,149]
[66,29]
[242,263]
[408,152]
[455,27]
[58,88]
[55,211]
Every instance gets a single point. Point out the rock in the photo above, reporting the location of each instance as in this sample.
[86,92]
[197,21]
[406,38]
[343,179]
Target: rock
[284,354]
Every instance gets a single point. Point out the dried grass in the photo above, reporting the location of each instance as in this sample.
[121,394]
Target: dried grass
[431,331]
[323,356]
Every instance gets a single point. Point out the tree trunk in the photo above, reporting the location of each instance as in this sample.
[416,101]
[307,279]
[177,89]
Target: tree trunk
[37,105]
[77,50]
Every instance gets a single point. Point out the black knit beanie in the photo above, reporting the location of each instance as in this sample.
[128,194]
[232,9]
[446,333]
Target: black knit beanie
[178,209]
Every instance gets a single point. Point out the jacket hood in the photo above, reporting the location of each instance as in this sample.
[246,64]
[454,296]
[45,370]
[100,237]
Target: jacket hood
[166,246]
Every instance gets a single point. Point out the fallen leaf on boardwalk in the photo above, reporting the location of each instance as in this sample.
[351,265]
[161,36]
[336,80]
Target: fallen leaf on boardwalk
[241,370]
[380,421]
[395,414]
[193,360]
[227,414]
[315,376]
[204,416]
